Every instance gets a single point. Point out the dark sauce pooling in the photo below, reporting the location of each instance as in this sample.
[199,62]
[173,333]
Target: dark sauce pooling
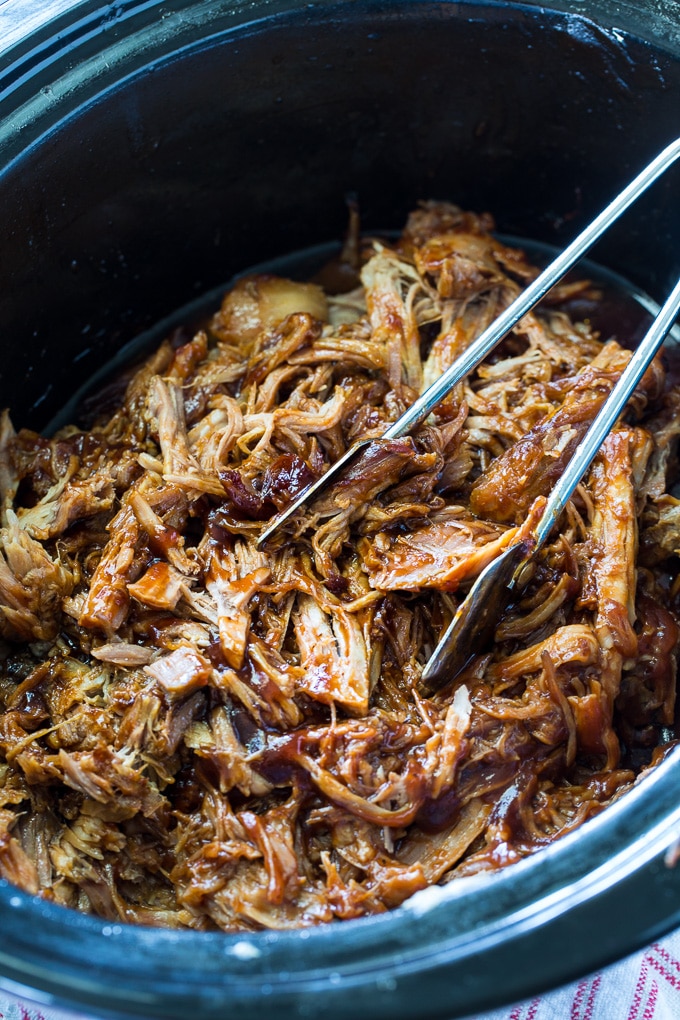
[197,732]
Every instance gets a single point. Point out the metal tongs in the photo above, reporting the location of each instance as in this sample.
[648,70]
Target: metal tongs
[473,624]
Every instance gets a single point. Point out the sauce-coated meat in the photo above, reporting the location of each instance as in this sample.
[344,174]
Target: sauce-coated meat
[198,732]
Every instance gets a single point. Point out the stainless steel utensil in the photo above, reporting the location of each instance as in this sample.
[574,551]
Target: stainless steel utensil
[473,623]
[474,620]
[492,336]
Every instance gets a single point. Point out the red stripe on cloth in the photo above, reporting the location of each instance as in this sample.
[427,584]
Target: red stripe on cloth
[650,1008]
[665,955]
[533,1008]
[576,1004]
[639,988]
[531,1012]
[671,978]
[25,1015]
[578,1010]
[591,997]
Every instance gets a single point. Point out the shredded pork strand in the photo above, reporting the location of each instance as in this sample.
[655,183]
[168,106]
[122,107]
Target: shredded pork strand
[198,732]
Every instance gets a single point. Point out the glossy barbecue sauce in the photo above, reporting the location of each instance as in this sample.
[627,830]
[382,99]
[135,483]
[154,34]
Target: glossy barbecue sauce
[615,309]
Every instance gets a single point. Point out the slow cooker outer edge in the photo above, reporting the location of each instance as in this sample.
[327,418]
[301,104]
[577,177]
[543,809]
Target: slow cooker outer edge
[598,894]
[457,978]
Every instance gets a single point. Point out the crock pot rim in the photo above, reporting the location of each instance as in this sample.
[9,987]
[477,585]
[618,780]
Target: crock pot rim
[414,939]
[30,64]
[596,835]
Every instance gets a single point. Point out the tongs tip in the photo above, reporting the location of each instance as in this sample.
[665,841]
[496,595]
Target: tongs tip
[474,622]
[310,492]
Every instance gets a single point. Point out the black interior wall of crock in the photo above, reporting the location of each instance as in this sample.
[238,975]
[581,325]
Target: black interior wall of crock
[236,151]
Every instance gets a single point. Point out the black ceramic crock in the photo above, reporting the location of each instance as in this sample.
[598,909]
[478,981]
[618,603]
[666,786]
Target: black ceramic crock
[148,151]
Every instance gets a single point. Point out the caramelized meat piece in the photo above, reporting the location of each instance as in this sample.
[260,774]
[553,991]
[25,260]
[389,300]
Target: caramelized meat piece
[32,585]
[451,548]
[533,464]
[197,732]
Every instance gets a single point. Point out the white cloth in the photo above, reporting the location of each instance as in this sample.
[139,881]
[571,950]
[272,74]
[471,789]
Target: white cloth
[646,986]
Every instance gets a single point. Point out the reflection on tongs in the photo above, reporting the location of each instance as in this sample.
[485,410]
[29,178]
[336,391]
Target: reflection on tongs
[473,625]
[474,622]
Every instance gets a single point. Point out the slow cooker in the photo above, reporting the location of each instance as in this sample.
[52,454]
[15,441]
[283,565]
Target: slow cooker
[150,150]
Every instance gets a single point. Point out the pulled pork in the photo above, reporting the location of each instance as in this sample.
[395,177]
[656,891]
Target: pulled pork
[196,731]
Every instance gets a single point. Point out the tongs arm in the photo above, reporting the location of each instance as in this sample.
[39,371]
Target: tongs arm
[475,620]
[491,337]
